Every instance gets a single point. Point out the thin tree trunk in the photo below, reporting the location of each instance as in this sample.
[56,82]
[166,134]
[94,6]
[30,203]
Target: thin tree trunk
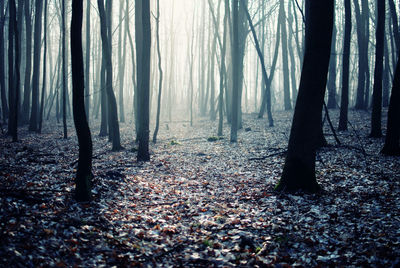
[4,104]
[44,68]
[344,104]
[84,171]
[64,70]
[286,86]
[160,71]
[376,119]
[87,65]
[33,123]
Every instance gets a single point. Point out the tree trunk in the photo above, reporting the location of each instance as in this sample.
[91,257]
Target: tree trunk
[13,71]
[160,71]
[33,123]
[64,70]
[376,119]
[392,146]
[143,45]
[4,104]
[28,63]
[299,169]
[344,104]
[332,73]
[235,70]
[286,86]
[112,103]
[84,172]
[361,60]
[44,69]
[87,65]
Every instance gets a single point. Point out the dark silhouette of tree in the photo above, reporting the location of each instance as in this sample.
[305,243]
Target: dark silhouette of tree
[299,168]
[160,80]
[13,71]
[344,103]
[28,63]
[376,119]
[285,66]
[64,70]
[33,123]
[44,69]
[143,45]
[84,172]
[392,140]
[87,61]
[4,104]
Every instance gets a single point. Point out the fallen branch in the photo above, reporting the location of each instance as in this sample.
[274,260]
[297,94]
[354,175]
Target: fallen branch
[267,156]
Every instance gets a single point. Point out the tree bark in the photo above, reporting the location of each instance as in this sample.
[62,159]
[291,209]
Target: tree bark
[84,171]
[286,86]
[160,81]
[4,104]
[143,45]
[299,168]
[112,103]
[33,123]
[376,119]
[344,103]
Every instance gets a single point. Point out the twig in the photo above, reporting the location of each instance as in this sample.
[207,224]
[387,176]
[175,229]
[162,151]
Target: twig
[331,125]
[267,156]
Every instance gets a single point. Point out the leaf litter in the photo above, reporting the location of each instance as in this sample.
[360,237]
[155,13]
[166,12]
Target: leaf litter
[200,201]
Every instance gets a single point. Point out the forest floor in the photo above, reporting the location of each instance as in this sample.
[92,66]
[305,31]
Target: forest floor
[198,202]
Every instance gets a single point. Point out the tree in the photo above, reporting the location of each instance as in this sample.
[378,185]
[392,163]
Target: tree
[121,61]
[64,70]
[286,87]
[344,103]
[84,172]
[87,60]
[235,70]
[28,63]
[143,45]
[299,168]
[112,103]
[4,104]
[13,71]
[376,119]
[392,146]
[160,71]
[33,122]
[332,73]
[44,69]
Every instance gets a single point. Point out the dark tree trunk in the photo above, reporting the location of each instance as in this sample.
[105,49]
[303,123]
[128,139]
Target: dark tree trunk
[376,119]
[160,71]
[392,146]
[84,172]
[362,43]
[143,45]
[299,169]
[286,85]
[33,123]
[395,24]
[344,104]
[386,76]
[44,69]
[64,70]
[87,65]
[4,104]
[112,103]
[28,63]
[13,72]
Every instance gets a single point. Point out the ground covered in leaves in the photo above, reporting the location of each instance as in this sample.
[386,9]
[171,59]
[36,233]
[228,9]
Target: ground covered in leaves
[200,201]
